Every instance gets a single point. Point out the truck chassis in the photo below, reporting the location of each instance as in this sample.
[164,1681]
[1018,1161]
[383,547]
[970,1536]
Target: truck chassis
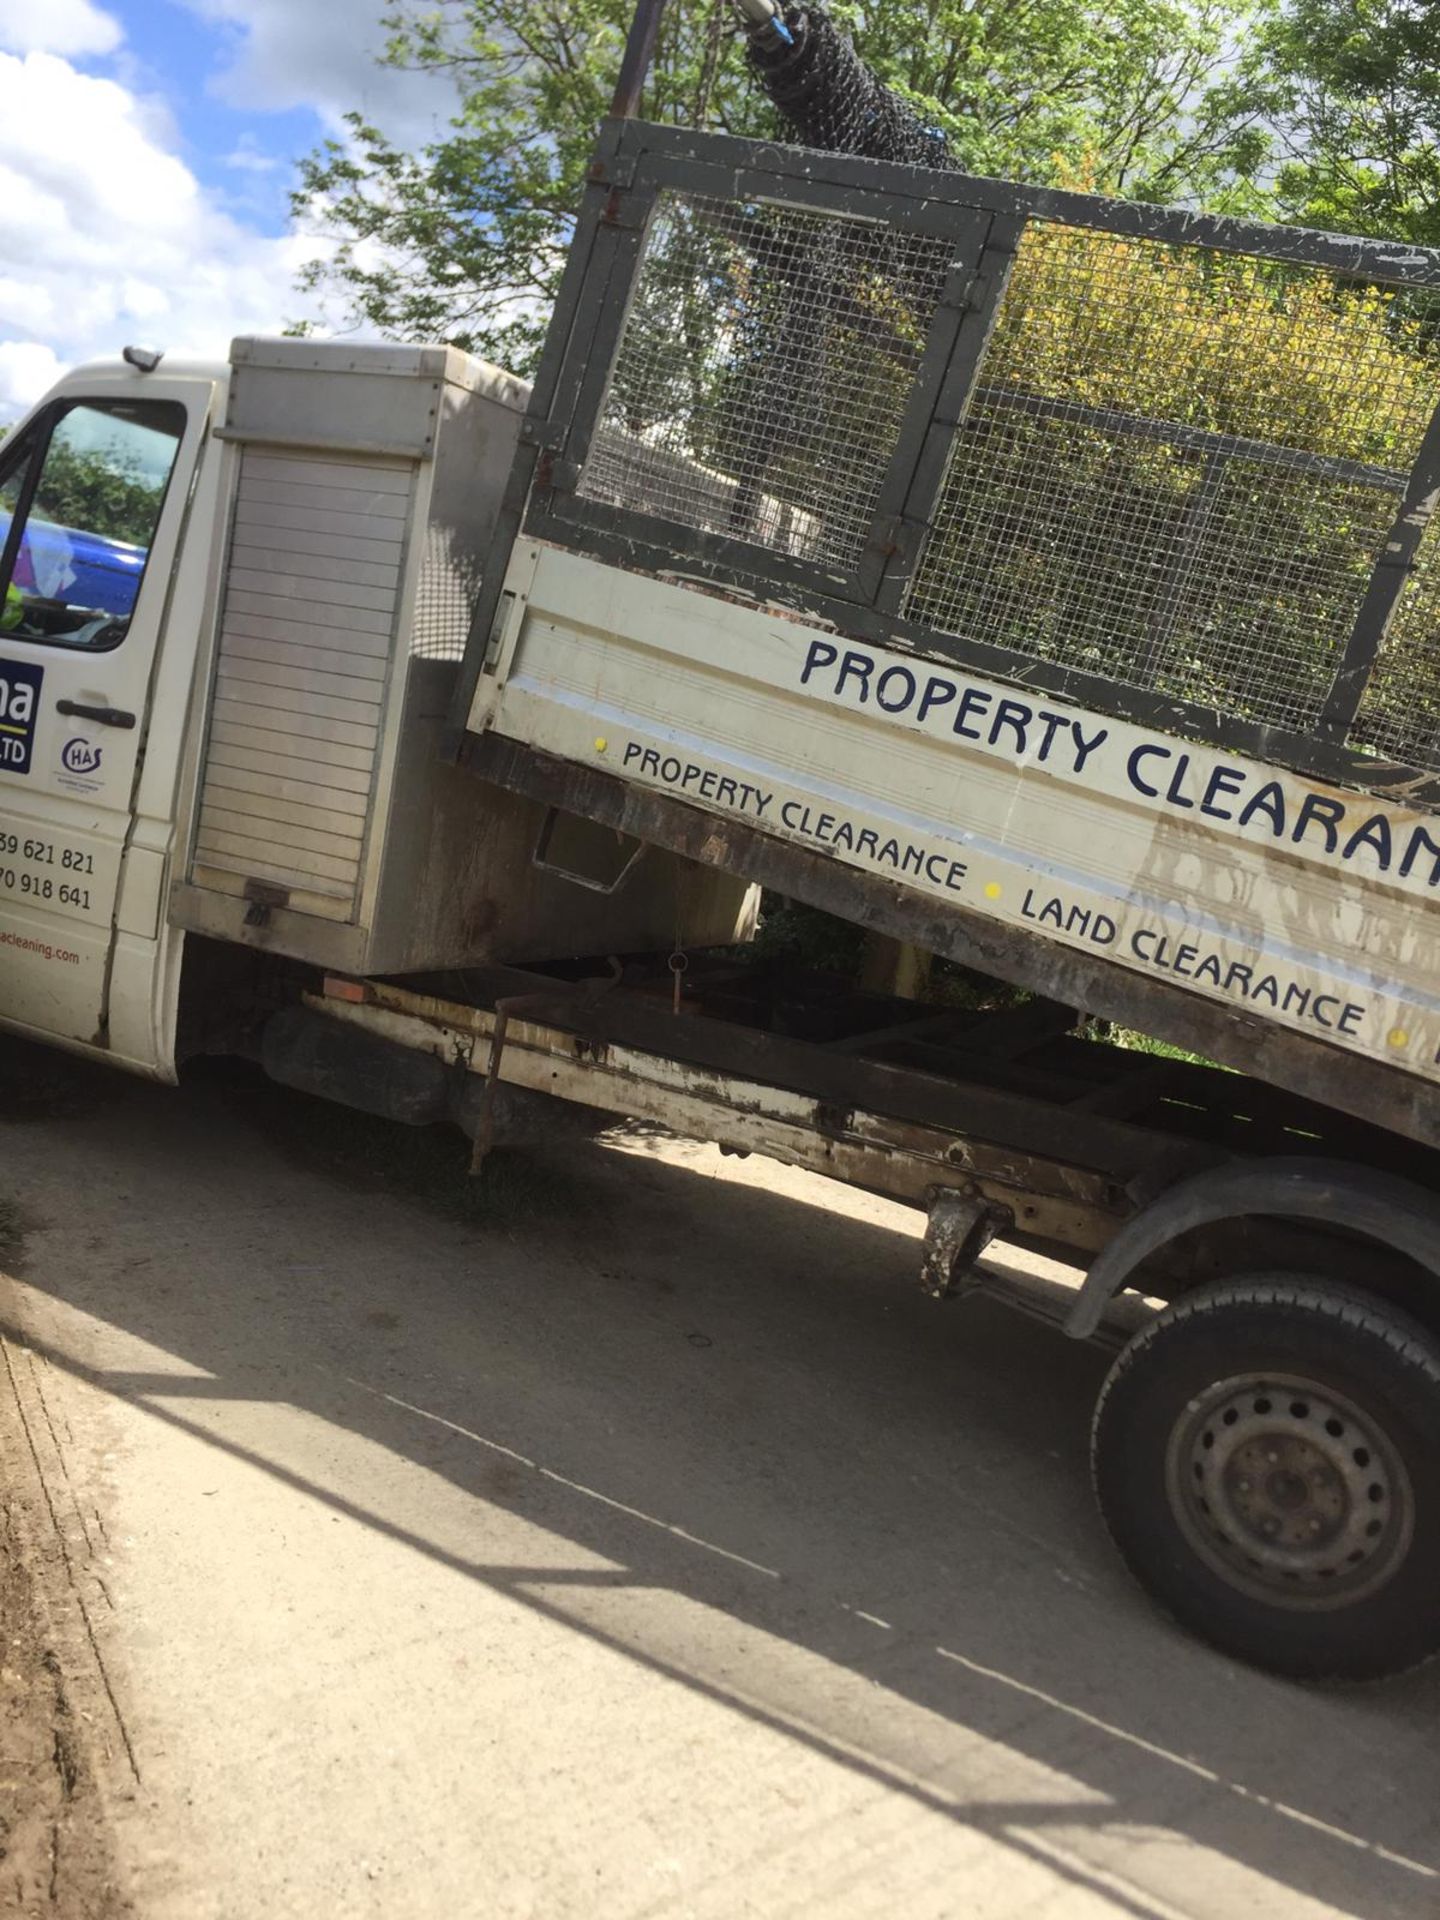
[1167,1178]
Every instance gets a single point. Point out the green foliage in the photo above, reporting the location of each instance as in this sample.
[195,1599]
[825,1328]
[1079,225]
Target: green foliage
[1050,528]
[97,493]
[465,240]
[1154,99]
[803,936]
[1362,115]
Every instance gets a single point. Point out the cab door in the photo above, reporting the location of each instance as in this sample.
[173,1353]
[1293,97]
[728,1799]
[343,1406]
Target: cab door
[91,499]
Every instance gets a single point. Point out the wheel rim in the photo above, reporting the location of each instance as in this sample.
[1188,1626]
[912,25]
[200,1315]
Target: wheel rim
[1289,1491]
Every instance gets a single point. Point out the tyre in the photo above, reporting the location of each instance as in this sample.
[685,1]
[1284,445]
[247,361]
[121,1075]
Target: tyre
[1266,1455]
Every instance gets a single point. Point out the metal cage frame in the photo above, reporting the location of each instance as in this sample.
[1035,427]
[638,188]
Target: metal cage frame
[982,221]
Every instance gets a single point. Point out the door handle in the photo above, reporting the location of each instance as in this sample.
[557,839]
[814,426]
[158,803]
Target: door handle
[105,716]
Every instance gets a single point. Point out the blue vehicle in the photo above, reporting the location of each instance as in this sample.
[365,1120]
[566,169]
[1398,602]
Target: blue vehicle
[82,569]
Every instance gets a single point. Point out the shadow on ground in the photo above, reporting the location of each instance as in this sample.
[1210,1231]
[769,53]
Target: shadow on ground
[732,1395]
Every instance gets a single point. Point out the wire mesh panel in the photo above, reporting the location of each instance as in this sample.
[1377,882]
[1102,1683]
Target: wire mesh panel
[1191,466]
[1179,468]
[764,371]
[444,596]
[1400,714]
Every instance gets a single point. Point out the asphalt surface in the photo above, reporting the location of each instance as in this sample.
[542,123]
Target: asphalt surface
[634,1541]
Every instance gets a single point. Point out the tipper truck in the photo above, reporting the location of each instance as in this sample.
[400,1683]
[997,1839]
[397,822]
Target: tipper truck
[1039,581]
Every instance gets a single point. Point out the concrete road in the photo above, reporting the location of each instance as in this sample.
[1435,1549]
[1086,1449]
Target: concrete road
[644,1546]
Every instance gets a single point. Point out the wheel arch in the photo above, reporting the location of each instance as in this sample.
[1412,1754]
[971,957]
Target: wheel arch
[1362,1202]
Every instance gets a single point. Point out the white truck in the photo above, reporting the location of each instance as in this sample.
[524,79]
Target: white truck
[1036,580]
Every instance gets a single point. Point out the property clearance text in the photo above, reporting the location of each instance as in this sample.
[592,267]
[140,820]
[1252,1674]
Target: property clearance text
[939,867]
[1161,771]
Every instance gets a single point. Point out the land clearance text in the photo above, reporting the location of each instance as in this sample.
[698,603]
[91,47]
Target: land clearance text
[1151,946]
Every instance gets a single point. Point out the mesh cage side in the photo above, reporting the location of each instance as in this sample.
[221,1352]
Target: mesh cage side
[1179,468]
[444,595]
[1399,716]
[764,371]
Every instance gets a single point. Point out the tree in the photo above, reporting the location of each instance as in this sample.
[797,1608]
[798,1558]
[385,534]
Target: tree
[100,493]
[465,240]
[1362,125]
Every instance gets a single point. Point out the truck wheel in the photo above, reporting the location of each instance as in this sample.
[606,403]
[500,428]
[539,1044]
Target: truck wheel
[1266,1454]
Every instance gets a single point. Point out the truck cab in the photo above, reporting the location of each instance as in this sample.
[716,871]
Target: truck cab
[234,601]
[101,485]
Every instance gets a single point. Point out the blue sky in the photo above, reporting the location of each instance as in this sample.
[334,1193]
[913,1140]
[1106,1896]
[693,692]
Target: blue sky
[189,62]
[163,213]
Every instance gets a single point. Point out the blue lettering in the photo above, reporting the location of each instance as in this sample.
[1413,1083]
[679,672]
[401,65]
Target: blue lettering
[1174,795]
[1375,834]
[938,693]
[1133,769]
[1329,812]
[1015,715]
[1053,723]
[821,654]
[974,700]
[902,674]
[1420,838]
[858,667]
[1227,780]
[1083,747]
[1269,801]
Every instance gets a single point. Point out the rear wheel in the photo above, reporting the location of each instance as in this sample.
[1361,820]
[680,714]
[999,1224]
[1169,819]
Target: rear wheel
[1266,1455]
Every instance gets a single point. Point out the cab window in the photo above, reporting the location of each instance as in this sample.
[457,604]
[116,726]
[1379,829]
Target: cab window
[78,511]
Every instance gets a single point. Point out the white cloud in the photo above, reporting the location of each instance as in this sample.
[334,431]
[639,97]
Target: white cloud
[247,157]
[73,27]
[26,370]
[322,54]
[106,235]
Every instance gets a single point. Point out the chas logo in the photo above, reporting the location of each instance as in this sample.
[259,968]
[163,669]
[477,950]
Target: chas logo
[19,704]
[80,757]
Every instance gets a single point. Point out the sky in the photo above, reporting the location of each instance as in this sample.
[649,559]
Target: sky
[147,154]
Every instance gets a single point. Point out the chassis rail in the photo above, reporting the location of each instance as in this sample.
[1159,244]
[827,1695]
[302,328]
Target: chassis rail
[998,1124]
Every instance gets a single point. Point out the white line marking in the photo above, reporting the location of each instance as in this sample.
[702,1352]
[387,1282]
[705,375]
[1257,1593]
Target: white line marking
[560,1479]
[1200,1772]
